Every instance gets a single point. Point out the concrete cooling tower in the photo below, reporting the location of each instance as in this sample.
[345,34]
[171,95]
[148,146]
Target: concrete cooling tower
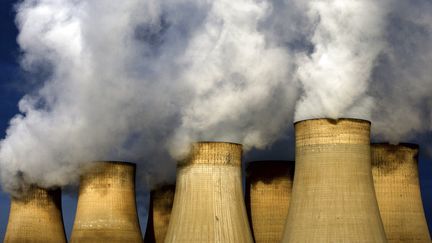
[36,217]
[333,198]
[161,202]
[106,210]
[395,174]
[208,202]
[268,193]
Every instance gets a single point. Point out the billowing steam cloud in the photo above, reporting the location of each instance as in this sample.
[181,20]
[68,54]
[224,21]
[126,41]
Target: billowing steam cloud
[402,78]
[240,81]
[139,80]
[130,81]
[347,38]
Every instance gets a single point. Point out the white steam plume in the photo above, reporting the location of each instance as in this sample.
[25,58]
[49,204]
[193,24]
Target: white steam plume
[139,80]
[130,80]
[240,82]
[402,79]
[347,38]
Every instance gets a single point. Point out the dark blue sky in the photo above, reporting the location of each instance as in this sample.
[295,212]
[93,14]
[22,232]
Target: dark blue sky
[12,89]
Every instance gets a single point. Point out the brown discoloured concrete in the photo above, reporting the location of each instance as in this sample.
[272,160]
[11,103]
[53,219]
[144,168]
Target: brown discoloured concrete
[161,202]
[333,198]
[268,193]
[106,209]
[36,217]
[208,202]
[395,173]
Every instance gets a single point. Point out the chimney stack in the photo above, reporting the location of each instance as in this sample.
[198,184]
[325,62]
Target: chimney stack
[106,210]
[161,202]
[36,217]
[333,198]
[268,193]
[208,202]
[395,174]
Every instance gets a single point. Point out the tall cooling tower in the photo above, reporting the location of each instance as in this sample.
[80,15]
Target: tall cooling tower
[208,202]
[268,192]
[161,201]
[106,210]
[333,198]
[395,174]
[36,217]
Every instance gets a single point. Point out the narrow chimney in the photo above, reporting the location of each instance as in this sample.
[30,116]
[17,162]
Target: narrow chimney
[208,202]
[106,210]
[161,202]
[36,217]
[395,174]
[268,193]
[333,198]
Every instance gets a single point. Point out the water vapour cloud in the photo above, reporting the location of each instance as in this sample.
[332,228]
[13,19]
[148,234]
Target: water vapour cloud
[140,80]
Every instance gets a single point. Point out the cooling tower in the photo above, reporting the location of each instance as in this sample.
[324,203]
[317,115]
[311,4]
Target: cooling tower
[395,174]
[208,202]
[161,201]
[106,210]
[36,217]
[268,192]
[333,198]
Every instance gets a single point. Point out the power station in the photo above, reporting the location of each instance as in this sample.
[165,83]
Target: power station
[340,189]
[395,174]
[268,193]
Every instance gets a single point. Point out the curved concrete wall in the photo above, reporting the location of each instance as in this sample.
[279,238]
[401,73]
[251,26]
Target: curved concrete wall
[268,193]
[208,202]
[333,198]
[161,202]
[395,173]
[106,210]
[36,217]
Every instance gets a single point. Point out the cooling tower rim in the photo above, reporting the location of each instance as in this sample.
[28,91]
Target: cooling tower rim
[33,188]
[332,120]
[387,144]
[115,162]
[216,142]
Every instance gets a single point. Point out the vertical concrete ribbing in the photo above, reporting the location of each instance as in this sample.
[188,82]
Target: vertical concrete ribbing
[333,198]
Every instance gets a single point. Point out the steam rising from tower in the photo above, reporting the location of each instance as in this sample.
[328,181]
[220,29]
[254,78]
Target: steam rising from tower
[141,78]
[36,217]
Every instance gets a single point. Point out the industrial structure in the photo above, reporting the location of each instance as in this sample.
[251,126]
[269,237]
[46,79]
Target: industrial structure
[208,202]
[36,217]
[333,198]
[106,210]
[268,192]
[395,174]
[159,212]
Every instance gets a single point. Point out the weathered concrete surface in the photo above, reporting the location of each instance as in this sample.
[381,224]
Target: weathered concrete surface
[395,174]
[36,217]
[333,198]
[106,210]
[268,193]
[161,202]
[208,202]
